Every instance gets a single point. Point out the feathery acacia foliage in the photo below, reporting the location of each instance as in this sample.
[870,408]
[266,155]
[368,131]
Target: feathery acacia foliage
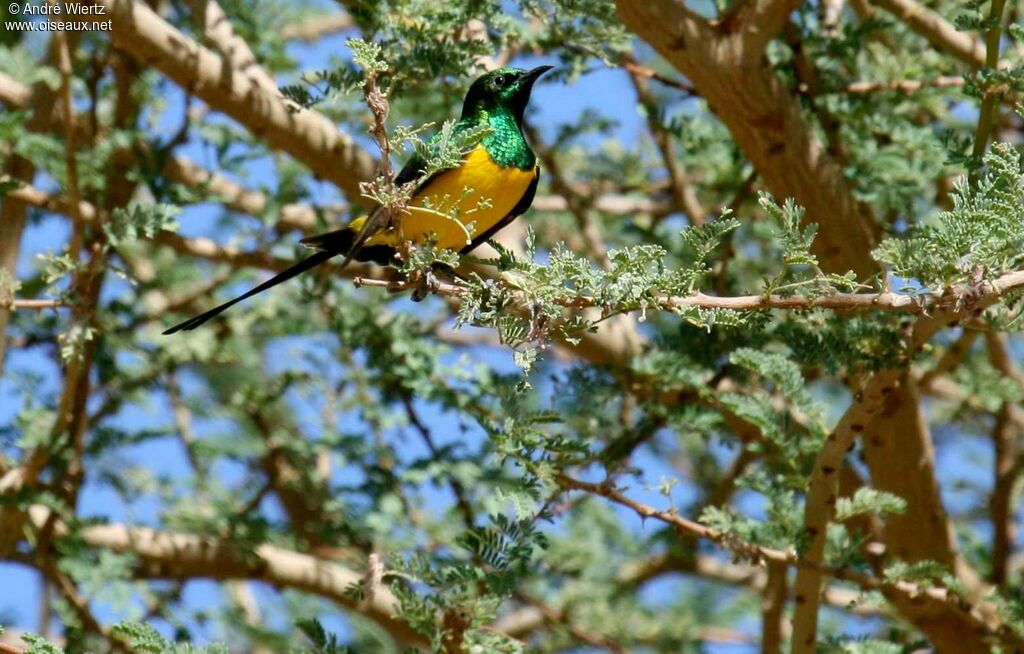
[745,375]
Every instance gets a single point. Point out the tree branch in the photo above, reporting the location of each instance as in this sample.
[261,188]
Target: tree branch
[685,197]
[940,33]
[990,99]
[19,303]
[767,122]
[905,85]
[1006,470]
[306,135]
[166,555]
[773,608]
[886,301]
[752,24]
[929,600]
[317,27]
[869,401]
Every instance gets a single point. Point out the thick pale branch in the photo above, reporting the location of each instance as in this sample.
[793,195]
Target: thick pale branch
[906,85]
[23,303]
[932,601]
[217,30]
[164,555]
[939,32]
[868,404]
[32,196]
[302,133]
[13,92]
[610,203]
[898,442]
[768,123]
[752,24]
[899,451]
[1006,469]
[315,28]
[821,501]
[298,216]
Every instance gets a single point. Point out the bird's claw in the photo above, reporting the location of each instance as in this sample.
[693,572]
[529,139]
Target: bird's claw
[427,284]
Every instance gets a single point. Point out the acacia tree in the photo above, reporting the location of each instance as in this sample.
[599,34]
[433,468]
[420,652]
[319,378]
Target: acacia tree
[747,380]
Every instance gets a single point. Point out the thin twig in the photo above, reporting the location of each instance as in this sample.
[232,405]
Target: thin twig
[934,598]
[887,301]
[562,618]
[905,86]
[70,145]
[457,488]
[642,71]
[17,303]
[683,526]
[576,203]
[686,199]
[989,101]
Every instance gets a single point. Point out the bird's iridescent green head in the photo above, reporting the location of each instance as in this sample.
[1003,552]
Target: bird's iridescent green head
[505,89]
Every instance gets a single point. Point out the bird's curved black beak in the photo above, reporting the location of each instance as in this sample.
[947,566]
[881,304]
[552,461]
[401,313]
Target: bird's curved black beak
[530,76]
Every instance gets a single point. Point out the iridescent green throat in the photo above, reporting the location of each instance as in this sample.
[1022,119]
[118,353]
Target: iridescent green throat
[506,143]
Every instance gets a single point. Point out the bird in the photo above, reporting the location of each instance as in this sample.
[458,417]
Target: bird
[494,183]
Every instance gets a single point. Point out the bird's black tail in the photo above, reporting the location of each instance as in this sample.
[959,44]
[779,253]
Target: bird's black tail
[309,262]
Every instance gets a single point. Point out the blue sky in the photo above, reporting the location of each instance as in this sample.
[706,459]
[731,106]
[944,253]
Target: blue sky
[553,104]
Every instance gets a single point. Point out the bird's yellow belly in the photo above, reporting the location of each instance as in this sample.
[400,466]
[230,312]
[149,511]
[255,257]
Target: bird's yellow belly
[460,204]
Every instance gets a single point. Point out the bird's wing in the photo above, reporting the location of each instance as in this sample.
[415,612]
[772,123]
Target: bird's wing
[349,239]
[416,165]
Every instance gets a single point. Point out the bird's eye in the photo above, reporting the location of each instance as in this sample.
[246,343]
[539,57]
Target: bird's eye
[503,80]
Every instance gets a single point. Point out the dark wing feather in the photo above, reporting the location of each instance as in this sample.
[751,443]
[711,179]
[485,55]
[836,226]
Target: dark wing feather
[416,165]
[411,170]
[343,241]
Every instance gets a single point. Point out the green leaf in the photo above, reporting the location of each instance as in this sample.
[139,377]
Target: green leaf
[869,501]
[140,221]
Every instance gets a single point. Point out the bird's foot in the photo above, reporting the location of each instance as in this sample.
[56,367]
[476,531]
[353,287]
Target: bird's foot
[425,284]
